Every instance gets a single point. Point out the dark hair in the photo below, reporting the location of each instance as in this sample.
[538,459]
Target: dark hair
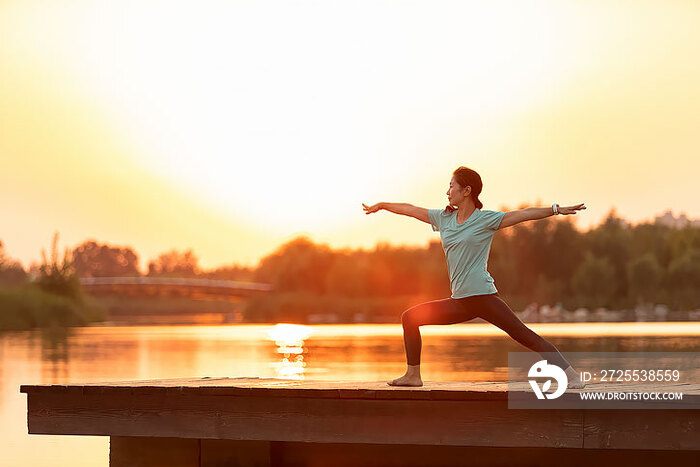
[468,177]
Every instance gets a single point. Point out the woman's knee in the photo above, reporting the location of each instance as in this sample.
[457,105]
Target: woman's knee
[435,312]
[408,317]
[412,316]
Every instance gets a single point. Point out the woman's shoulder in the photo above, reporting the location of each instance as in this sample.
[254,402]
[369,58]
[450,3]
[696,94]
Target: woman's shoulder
[448,211]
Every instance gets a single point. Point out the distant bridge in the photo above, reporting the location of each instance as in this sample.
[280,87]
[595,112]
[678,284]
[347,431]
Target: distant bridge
[172,286]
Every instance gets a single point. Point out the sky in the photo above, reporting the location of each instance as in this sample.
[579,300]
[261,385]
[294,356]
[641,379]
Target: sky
[233,127]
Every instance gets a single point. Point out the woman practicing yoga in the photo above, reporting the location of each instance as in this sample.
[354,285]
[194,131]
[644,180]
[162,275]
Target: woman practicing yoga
[466,232]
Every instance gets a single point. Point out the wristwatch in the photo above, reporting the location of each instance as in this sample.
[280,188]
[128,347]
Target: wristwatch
[555,208]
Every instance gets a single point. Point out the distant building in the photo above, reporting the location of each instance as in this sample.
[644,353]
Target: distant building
[676,222]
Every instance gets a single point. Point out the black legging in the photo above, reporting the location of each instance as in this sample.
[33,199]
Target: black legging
[457,310]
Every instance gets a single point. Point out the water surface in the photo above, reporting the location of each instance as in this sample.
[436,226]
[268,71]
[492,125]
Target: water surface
[375,352]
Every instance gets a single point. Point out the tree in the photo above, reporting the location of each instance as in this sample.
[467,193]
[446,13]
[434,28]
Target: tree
[94,260]
[594,282]
[230,272]
[11,272]
[59,277]
[299,265]
[548,291]
[174,264]
[644,275]
[612,240]
[683,280]
[347,275]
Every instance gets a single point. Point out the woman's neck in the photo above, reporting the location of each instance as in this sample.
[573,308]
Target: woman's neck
[464,211]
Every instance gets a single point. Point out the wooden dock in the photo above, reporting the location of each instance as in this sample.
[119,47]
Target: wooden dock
[274,422]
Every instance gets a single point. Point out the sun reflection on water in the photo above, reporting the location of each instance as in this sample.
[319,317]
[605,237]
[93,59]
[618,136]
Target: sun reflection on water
[289,339]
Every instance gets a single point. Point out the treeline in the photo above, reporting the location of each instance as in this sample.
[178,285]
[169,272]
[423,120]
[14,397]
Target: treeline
[548,261]
[52,299]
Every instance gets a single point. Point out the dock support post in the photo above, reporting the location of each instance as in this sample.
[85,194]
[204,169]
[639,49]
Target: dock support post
[141,451]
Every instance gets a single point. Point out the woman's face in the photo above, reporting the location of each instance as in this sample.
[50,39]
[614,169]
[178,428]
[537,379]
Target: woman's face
[455,194]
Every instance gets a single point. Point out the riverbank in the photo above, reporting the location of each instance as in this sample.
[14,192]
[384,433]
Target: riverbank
[304,308]
[27,306]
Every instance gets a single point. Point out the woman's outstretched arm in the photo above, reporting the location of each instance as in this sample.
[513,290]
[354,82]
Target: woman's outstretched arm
[531,214]
[404,209]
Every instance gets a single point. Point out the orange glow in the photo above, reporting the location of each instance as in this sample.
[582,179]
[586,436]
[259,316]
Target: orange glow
[173,126]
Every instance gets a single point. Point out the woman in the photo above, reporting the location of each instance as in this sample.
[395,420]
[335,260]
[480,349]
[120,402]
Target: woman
[466,232]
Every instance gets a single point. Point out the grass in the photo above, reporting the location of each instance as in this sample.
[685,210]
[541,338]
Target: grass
[28,306]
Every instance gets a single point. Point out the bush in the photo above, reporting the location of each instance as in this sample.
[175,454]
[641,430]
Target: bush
[29,306]
[59,279]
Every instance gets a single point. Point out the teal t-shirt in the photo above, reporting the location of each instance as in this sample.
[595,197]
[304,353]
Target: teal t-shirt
[467,248]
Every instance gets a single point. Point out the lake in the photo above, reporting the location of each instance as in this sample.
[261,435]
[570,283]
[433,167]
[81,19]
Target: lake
[375,352]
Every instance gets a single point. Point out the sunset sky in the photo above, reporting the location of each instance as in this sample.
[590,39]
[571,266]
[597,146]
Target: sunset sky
[232,127]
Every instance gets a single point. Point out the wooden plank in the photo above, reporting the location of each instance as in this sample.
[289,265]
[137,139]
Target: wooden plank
[478,423]
[220,453]
[275,387]
[225,453]
[438,413]
[153,452]
[648,429]
[381,455]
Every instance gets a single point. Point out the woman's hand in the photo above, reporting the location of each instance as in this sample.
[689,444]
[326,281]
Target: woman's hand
[371,209]
[571,209]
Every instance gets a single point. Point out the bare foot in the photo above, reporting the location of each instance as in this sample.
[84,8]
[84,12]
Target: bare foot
[406,381]
[574,380]
[576,384]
